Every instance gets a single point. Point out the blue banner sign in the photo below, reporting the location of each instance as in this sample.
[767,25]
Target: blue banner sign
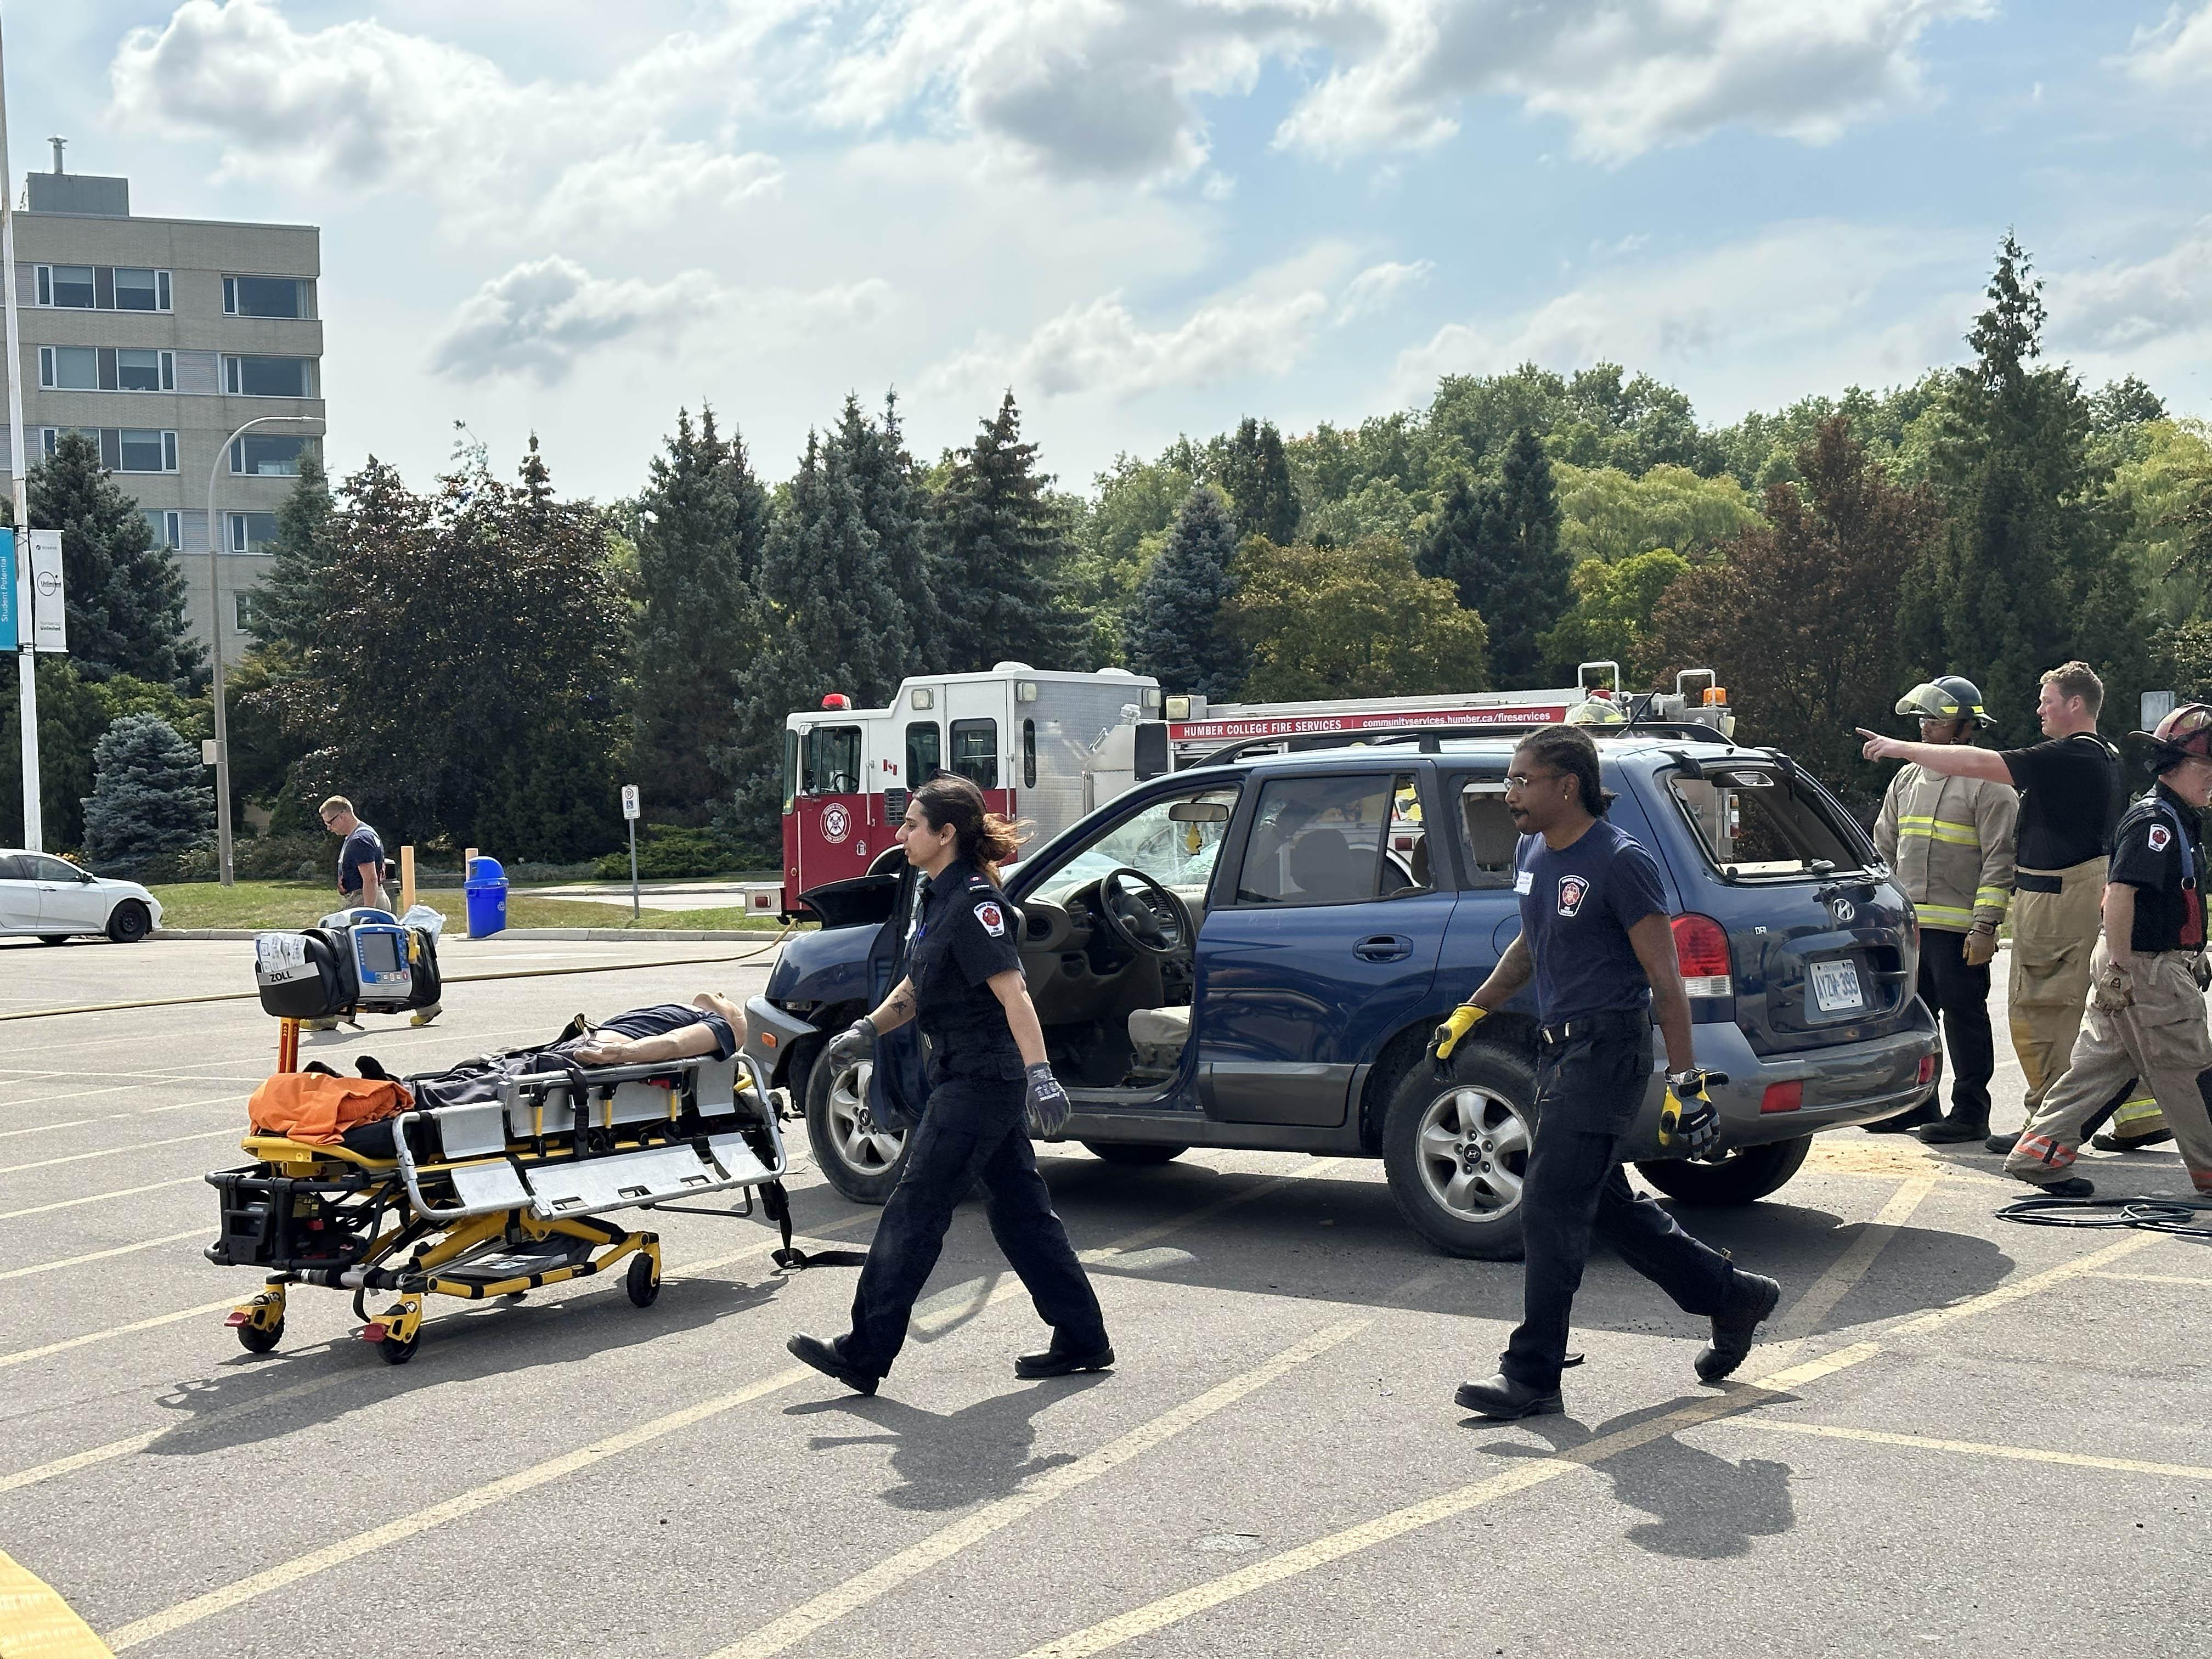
[9,629]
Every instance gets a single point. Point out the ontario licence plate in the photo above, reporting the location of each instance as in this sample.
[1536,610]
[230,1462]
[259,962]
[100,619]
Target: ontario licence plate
[1836,987]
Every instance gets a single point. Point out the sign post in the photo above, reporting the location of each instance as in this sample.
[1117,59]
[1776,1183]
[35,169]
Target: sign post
[27,680]
[629,813]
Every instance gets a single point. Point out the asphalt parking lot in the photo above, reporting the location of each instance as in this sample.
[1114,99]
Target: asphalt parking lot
[1971,1438]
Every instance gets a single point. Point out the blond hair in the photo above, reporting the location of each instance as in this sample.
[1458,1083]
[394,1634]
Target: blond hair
[335,804]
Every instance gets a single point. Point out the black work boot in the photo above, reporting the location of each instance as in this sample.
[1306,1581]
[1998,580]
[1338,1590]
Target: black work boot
[2130,1143]
[1733,1332]
[2002,1143]
[829,1358]
[1926,1112]
[2070,1187]
[1956,1129]
[1060,1361]
[1502,1398]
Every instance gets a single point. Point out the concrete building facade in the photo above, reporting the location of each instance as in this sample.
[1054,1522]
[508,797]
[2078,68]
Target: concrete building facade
[161,338]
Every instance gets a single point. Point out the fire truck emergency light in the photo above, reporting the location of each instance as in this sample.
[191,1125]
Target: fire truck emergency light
[836,700]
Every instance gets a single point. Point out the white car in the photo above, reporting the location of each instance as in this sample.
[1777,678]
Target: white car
[53,899]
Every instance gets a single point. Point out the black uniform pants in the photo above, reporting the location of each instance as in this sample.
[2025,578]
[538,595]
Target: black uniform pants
[972,1130]
[1959,995]
[1587,1089]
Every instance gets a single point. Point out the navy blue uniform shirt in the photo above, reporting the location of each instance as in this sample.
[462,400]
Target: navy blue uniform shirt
[963,936]
[2165,868]
[362,846]
[1576,907]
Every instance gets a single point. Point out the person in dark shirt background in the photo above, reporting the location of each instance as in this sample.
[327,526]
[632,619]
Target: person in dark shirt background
[361,856]
[2072,791]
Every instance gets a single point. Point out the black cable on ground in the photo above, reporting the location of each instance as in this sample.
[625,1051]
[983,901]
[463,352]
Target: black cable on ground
[2191,1217]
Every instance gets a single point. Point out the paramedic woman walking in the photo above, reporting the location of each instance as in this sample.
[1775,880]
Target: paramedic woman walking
[990,1088]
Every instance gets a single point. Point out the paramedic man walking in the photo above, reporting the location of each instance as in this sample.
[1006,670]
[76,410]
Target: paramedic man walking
[2072,791]
[990,1087]
[1596,937]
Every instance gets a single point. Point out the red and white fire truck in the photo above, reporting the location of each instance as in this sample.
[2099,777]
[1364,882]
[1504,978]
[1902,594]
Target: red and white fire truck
[1051,747]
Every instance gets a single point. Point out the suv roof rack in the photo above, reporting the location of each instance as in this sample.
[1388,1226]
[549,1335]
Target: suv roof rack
[1431,738]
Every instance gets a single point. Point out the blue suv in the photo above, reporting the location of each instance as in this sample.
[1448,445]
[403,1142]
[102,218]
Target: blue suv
[1252,954]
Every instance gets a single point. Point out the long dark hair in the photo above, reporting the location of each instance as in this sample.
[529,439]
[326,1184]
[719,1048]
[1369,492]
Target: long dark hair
[1570,750]
[983,837]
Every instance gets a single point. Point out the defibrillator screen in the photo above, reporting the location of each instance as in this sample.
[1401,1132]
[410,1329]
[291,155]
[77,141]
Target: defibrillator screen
[379,953]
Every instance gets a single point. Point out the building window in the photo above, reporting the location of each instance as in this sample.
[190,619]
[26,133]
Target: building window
[103,287]
[168,528]
[257,455]
[265,296]
[251,532]
[69,368]
[245,611]
[139,370]
[144,450]
[266,377]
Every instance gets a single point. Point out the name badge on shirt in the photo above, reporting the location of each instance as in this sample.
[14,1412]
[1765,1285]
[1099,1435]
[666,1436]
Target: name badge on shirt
[1525,882]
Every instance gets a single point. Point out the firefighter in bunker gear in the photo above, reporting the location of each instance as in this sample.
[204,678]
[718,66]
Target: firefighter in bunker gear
[2146,1015]
[1950,841]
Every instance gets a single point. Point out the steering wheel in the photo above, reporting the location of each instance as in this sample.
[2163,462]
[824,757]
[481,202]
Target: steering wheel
[1141,913]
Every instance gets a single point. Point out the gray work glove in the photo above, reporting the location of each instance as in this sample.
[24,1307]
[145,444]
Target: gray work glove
[853,1044]
[2200,970]
[1047,1108]
[1689,1124]
[2111,991]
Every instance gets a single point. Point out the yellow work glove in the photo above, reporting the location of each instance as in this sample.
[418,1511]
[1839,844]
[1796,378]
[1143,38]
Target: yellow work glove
[1981,944]
[1448,1034]
[1688,1124]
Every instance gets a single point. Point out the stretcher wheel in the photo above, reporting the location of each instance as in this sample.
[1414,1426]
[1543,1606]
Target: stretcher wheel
[255,1339]
[393,1352]
[642,1282]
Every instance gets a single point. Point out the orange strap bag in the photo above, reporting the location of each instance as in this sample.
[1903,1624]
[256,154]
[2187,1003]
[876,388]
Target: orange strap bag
[319,1108]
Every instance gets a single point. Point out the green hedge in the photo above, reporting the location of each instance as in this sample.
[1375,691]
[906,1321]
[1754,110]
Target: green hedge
[666,852]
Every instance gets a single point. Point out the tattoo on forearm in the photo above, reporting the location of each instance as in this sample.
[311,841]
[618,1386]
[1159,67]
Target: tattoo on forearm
[898,1007]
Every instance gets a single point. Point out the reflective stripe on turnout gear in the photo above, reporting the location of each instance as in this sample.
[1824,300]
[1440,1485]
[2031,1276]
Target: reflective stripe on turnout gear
[1943,829]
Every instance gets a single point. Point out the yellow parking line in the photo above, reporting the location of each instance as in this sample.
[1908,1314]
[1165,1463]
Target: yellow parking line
[1804,1317]
[1982,1449]
[35,1623]
[94,1198]
[810,1616]
[24,1356]
[115,1117]
[113,1152]
[2155,1278]
[496,1492]
[1172,1609]
[102,1255]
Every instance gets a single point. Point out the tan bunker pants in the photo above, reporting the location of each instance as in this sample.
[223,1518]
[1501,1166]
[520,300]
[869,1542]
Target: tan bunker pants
[2052,935]
[2148,1025]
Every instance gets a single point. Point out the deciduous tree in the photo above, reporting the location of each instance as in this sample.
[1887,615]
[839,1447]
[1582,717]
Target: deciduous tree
[1353,620]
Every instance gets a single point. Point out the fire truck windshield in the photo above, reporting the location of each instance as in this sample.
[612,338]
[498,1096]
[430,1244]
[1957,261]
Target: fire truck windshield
[831,755]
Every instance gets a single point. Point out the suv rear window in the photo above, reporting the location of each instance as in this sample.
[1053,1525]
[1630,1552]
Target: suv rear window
[1756,823]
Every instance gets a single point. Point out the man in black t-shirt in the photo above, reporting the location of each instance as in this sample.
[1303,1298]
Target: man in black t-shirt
[2146,1009]
[2071,792]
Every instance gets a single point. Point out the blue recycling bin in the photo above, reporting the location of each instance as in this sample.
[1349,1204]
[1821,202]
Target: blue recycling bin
[485,890]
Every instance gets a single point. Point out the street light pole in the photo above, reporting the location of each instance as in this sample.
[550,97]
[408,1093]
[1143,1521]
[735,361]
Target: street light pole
[27,696]
[215,634]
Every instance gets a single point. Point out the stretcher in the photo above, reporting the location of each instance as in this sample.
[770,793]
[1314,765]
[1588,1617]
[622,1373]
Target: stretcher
[502,1196]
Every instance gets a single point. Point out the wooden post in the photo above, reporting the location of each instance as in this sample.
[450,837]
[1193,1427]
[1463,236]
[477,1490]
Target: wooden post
[406,879]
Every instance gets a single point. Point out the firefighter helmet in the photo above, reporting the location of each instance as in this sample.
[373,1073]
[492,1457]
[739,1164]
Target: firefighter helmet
[1597,713]
[1947,697]
[2185,734]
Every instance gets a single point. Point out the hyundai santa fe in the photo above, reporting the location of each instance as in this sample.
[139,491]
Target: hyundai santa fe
[1253,954]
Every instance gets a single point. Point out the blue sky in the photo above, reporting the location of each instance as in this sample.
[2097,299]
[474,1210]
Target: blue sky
[1147,216]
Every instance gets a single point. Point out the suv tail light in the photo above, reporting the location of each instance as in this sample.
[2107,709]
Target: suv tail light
[1701,946]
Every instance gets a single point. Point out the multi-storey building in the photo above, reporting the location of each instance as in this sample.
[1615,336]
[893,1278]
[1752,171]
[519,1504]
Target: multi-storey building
[160,337]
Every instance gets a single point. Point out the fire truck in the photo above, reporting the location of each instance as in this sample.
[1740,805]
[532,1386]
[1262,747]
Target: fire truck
[1052,747]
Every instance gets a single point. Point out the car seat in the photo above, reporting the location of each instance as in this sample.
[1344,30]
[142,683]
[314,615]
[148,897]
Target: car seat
[1158,1037]
[1323,869]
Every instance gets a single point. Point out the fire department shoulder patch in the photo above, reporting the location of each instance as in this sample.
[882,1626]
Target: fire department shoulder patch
[2160,838]
[993,918]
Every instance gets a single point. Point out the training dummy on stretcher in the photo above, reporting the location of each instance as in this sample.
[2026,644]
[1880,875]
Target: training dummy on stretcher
[488,1178]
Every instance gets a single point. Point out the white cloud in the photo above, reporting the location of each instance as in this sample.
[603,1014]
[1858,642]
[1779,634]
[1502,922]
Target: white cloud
[2127,306]
[361,107]
[2176,52]
[540,318]
[1117,88]
[1378,287]
[1797,307]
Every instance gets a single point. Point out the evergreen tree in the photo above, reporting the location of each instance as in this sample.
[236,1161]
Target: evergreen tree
[834,623]
[896,505]
[125,596]
[1498,545]
[703,528]
[2030,572]
[1004,543]
[1256,475]
[1177,626]
[150,802]
[290,604]
[71,717]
